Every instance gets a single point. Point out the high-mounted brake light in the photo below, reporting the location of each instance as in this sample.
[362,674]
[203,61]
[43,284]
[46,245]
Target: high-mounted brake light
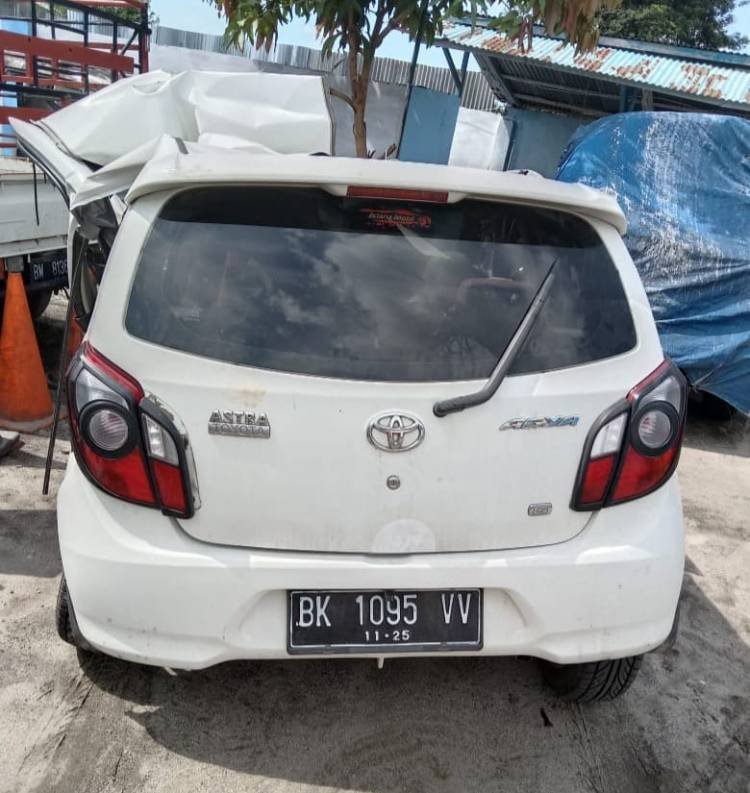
[634,447]
[398,193]
[125,443]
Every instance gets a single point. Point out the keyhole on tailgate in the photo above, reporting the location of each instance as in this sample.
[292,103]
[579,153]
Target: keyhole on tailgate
[393,482]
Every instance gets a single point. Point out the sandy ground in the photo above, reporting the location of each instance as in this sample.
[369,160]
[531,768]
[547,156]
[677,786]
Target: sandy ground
[455,725]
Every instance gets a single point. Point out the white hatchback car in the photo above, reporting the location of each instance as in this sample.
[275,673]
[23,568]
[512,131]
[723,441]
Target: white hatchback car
[330,406]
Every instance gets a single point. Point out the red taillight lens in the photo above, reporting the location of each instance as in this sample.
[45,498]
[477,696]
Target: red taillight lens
[105,403]
[597,479]
[163,456]
[171,488]
[602,454]
[634,448]
[640,474]
[126,478]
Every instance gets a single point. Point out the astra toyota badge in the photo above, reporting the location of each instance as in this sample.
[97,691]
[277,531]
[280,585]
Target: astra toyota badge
[395,432]
[246,425]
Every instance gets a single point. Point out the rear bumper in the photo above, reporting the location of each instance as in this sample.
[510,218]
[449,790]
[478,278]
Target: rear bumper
[145,591]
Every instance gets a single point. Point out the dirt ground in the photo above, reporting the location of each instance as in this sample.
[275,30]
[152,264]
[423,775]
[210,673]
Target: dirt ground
[442,725]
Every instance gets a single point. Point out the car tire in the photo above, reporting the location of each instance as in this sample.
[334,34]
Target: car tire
[65,620]
[592,682]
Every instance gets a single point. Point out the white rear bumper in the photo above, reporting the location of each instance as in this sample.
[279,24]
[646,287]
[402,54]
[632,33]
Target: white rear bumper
[145,591]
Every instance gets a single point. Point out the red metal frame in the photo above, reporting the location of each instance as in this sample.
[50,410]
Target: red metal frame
[45,73]
[38,52]
[22,113]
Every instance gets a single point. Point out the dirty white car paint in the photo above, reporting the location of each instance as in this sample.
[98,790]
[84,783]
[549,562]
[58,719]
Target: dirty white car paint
[303,501]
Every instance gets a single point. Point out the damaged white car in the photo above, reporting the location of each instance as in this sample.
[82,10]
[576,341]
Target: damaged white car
[330,407]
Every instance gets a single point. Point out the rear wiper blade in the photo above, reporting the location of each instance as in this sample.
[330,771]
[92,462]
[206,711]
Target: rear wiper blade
[456,404]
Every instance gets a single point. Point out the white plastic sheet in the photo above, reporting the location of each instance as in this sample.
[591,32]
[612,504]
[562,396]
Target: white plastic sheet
[97,147]
[284,113]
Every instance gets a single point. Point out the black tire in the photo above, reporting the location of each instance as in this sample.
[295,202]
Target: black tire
[38,302]
[65,621]
[592,682]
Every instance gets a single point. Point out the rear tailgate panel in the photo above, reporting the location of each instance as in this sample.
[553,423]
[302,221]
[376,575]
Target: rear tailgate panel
[317,484]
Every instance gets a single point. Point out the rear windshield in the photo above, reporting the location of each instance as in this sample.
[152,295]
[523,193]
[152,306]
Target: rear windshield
[298,280]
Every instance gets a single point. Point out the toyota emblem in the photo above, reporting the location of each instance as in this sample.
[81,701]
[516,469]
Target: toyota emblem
[395,432]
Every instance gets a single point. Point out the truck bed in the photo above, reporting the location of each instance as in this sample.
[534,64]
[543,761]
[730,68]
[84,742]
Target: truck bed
[19,232]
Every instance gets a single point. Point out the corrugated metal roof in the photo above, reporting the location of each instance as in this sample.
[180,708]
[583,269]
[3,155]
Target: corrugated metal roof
[727,85]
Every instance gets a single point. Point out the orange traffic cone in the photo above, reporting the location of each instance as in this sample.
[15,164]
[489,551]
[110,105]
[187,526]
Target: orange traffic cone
[25,403]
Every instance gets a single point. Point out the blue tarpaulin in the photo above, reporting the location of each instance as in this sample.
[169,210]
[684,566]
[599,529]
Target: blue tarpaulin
[683,181]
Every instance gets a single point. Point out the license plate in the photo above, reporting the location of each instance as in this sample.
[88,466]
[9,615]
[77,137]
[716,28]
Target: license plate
[48,267]
[346,621]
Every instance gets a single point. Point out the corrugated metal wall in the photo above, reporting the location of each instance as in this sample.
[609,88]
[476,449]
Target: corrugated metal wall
[477,95]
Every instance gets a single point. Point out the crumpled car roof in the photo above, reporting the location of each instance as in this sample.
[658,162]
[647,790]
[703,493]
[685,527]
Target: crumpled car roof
[156,132]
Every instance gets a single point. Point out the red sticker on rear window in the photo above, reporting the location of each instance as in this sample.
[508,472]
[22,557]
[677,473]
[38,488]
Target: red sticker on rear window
[387,218]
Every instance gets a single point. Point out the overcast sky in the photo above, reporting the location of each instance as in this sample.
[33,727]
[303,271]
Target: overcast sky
[199,16]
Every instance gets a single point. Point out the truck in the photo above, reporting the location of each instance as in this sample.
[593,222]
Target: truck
[34,226]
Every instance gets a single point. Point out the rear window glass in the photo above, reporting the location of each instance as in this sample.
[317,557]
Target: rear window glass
[298,280]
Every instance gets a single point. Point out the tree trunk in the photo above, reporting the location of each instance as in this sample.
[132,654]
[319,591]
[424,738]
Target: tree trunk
[360,83]
[360,127]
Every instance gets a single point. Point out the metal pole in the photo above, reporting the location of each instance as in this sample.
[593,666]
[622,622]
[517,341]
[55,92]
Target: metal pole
[464,67]
[86,44]
[115,50]
[69,318]
[143,40]
[413,67]
[34,65]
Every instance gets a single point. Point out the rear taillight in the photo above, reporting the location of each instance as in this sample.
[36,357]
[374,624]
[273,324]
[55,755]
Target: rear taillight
[125,442]
[634,447]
